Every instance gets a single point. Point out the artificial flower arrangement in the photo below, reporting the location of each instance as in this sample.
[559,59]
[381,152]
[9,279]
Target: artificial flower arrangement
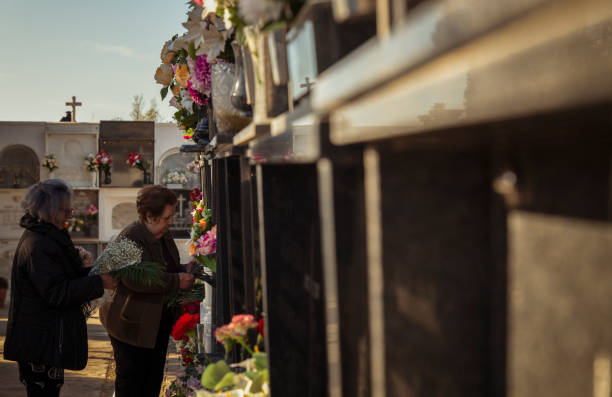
[175,176]
[203,242]
[50,162]
[91,163]
[218,377]
[104,161]
[135,160]
[193,167]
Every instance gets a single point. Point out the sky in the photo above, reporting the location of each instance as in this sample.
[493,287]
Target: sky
[102,52]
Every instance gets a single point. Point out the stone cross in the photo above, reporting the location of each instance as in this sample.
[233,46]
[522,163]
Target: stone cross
[181,200]
[307,85]
[74,104]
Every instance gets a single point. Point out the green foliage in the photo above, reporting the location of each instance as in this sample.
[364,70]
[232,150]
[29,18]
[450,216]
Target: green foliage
[260,379]
[184,118]
[163,92]
[210,263]
[227,382]
[191,51]
[138,112]
[214,373]
[261,362]
[146,273]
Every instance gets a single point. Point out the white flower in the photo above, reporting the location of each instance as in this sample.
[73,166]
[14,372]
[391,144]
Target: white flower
[186,101]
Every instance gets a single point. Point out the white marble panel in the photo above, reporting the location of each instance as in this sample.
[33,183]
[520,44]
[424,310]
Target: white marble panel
[117,209]
[10,213]
[71,143]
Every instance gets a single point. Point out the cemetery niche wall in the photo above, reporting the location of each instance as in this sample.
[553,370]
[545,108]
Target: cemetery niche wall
[19,167]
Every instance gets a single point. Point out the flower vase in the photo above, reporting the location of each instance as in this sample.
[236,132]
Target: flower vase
[94,179]
[146,178]
[107,177]
[227,118]
[51,174]
[238,94]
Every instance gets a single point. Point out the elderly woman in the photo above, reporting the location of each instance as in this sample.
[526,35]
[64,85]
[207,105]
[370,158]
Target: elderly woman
[137,318]
[46,330]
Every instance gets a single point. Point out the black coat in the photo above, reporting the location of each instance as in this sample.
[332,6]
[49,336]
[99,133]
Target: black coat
[46,323]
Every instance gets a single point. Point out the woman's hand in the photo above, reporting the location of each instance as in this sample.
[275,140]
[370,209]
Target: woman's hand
[185,280]
[108,281]
[85,256]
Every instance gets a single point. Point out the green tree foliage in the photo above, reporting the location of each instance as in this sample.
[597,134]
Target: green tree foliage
[139,113]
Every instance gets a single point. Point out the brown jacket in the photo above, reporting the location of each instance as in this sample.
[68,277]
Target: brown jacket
[134,312]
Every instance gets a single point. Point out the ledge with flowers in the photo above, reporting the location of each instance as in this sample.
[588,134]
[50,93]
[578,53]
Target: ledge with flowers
[198,374]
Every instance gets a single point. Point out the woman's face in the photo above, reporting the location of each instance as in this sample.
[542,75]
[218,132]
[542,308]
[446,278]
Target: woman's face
[158,226]
[63,215]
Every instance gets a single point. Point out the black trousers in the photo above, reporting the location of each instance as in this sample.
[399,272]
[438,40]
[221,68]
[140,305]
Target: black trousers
[140,371]
[41,380]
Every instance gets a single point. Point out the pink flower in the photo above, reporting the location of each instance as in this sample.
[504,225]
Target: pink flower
[197,96]
[207,243]
[222,333]
[92,210]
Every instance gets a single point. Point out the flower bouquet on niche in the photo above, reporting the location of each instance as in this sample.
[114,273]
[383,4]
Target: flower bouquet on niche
[50,162]
[104,161]
[91,163]
[135,160]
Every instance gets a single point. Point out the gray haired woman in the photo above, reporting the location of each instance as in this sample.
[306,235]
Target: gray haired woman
[46,330]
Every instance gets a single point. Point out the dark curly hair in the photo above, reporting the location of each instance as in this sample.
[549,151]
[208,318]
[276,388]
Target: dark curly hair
[152,200]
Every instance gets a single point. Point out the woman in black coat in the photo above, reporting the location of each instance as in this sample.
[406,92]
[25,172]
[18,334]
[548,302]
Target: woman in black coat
[46,330]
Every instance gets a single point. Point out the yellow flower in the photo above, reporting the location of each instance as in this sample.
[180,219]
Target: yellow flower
[202,223]
[182,75]
[192,249]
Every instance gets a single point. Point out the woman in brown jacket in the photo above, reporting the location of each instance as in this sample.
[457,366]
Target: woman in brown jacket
[137,319]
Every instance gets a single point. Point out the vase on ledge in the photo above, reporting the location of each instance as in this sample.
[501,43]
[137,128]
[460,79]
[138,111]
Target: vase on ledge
[94,179]
[146,179]
[51,174]
[107,177]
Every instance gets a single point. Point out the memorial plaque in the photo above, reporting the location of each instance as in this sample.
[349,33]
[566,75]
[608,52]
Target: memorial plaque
[70,150]
[19,167]
[11,213]
[293,281]
[119,138]
[123,214]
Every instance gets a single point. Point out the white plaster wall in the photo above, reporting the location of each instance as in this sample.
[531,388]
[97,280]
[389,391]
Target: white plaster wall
[167,136]
[27,133]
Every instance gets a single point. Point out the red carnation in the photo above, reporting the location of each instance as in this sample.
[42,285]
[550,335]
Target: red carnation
[260,326]
[184,324]
[191,307]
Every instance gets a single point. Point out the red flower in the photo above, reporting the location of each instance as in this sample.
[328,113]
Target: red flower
[260,326]
[184,324]
[191,307]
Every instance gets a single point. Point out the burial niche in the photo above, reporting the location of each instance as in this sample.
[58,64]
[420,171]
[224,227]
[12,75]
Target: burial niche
[19,167]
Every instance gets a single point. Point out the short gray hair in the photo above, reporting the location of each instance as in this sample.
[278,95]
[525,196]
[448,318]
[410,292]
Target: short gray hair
[44,200]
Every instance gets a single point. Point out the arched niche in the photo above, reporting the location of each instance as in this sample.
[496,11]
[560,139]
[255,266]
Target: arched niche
[19,167]
[174,160]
